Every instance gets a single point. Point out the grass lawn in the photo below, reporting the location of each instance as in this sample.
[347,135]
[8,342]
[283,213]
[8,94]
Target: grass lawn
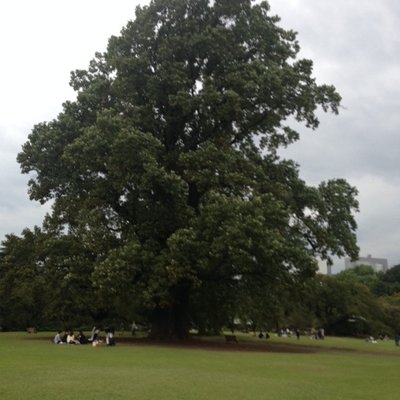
[36,369]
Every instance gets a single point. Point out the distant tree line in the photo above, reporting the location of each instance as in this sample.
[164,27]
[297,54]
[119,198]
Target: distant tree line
[356,302]
[46,281]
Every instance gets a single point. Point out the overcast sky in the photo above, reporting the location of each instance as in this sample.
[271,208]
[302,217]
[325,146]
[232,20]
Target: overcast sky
[355,45]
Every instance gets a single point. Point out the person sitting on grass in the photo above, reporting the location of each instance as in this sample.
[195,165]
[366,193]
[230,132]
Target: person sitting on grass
[64,335]
[110,340]
[82,338]
[71,338]
[57,339]
[94,334]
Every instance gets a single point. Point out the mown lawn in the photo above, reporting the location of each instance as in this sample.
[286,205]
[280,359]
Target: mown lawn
[36,369]
[330,343]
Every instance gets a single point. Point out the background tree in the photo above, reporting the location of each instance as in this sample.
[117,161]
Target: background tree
[45,282]
[165,168]
[21,283]
[345,306]
[364,274]
[388,282]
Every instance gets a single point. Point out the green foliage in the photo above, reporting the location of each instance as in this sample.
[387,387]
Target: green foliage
[364,274]
[45,281]
[389,282]
[345,304]
[165,168]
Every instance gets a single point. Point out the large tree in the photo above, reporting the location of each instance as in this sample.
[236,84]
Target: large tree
[166,165]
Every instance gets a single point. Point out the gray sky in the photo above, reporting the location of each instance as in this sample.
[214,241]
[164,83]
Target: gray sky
[355,45]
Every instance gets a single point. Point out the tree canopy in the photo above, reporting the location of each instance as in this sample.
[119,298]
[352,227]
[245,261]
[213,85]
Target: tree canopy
[165,169]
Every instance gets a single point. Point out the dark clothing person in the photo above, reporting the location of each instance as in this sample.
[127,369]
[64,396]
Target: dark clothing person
[110,341]
[397,339]
[82,338]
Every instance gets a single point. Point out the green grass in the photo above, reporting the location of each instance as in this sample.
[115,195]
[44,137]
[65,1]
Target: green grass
[330,343]
[36,369]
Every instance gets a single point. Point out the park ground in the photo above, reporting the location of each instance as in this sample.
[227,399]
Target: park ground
[281,368]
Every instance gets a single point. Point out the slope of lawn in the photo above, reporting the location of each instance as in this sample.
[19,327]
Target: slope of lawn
[36,369]
[329,343]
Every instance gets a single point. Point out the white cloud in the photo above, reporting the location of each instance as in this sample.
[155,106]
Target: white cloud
[42,41]
[355,46]
[379,220]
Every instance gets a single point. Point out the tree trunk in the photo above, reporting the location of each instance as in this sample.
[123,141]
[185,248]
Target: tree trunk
[161,326]
[172,323]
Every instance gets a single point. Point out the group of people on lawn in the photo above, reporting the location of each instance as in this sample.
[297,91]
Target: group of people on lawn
[68,337]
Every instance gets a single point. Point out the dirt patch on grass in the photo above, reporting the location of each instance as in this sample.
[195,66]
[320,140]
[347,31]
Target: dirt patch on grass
[256,346]
[209,344]
[218,345]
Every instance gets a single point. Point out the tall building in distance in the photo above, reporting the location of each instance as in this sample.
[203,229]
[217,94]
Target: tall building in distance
[378,264]
[324,268]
